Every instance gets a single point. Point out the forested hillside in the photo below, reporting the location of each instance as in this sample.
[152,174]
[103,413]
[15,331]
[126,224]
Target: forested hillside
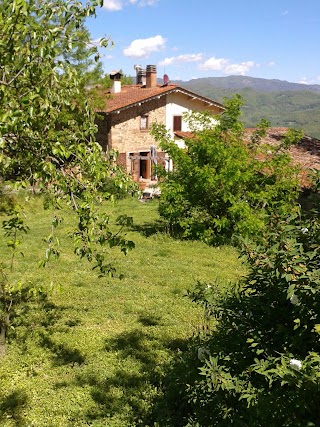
[282,103]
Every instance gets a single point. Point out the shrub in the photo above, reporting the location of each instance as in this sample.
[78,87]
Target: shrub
[110,186]
[261,364]
[222,187]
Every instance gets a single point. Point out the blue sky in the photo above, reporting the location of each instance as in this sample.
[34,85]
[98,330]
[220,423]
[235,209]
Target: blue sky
[186,39]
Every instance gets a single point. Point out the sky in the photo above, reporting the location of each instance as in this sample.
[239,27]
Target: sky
[188,39]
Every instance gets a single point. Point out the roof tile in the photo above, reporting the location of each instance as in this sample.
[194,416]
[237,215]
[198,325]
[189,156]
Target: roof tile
[133,94]
[305,154]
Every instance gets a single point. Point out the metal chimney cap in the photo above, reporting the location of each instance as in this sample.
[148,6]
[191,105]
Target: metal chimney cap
[151,68]
[115,75]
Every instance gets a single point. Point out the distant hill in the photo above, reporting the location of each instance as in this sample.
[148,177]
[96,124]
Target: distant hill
[281,102]
[245,82]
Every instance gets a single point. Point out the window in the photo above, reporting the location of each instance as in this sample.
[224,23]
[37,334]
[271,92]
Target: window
[177,122]
[144,122]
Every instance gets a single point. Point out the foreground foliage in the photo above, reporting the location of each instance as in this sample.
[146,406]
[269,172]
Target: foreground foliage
[47,133]
[260,364]
[220,187]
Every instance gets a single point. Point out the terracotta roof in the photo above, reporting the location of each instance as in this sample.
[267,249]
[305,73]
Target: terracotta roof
[183,135]
[305,154]
[132,95]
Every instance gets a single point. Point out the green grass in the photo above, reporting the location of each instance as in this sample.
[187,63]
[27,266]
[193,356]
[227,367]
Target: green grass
[96,351]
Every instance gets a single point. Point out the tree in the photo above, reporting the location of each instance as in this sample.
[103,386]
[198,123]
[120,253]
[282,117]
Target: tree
[220,186]
[40,90]
[84,57]
[99,85]
[125,80]
[260,364]
[47,128]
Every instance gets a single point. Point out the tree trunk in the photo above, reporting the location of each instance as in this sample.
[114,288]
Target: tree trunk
[3,347]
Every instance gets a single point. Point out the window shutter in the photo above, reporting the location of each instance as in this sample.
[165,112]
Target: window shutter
[177,121]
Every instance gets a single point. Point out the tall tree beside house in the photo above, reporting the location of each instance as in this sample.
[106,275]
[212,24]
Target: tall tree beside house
[222,187]
[125,79]
[83,57]
[97,84]
[47,130]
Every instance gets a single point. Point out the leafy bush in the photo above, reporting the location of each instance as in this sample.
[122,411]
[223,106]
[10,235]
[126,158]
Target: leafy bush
[110,186]
[220,186]
[261,364]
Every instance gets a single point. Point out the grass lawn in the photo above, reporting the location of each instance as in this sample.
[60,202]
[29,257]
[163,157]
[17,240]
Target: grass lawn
[96,351]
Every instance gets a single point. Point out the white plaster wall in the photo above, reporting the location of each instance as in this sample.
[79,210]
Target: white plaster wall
[177,104]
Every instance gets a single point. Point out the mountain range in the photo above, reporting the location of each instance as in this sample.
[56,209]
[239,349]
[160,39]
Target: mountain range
[283,103]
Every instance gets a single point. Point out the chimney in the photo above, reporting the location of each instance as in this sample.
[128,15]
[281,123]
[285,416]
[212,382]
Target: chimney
[151,76]
[140,75]
[115,76]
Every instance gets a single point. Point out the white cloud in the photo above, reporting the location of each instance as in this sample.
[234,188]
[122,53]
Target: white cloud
[304,81]
[271,64]
[141,48]
[214,64]
[194,57]
[309,81]
[224,65]
[285,12]
[143,3]
[241,68]
[113,5]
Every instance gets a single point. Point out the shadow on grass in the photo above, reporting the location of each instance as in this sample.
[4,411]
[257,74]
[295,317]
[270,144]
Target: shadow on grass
[33,319]
[149,320]
[12,407]
[135,391]
[29,315]
[148,229]
[61,353]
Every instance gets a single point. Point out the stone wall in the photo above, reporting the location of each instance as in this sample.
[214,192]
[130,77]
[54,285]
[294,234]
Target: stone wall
[121,132]
[126,135]
[122,160]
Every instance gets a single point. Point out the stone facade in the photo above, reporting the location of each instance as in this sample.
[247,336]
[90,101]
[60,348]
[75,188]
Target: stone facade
[122,133]
[125,125]
[126,135]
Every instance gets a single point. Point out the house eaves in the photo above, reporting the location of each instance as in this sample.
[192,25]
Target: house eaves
[132,96]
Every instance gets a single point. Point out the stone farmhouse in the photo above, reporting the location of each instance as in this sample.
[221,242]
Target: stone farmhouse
[124,123]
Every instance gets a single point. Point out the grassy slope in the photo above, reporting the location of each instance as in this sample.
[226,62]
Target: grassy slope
[97,351]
